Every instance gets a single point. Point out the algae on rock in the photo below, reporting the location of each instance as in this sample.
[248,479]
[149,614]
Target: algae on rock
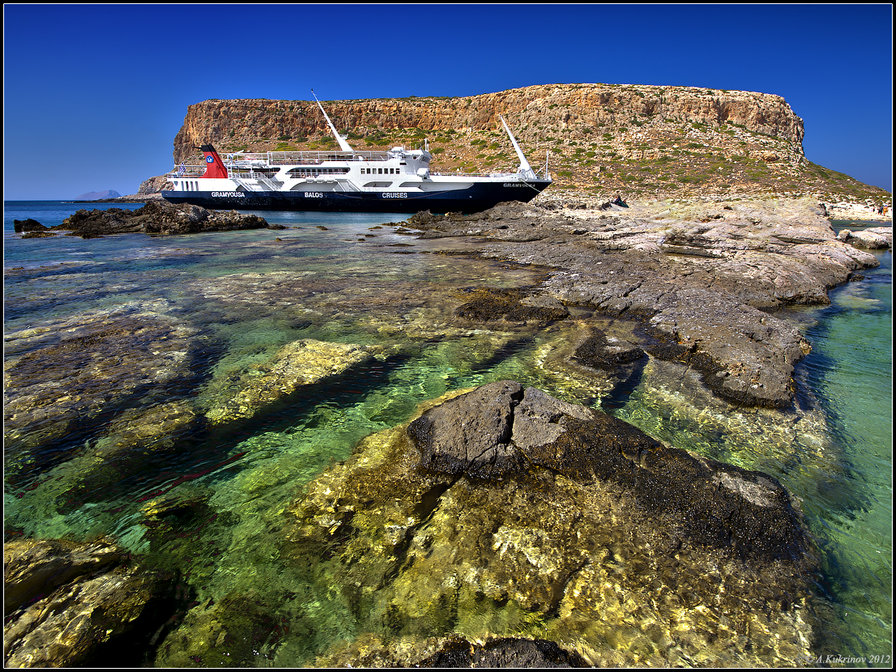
[566,551]
[296,364]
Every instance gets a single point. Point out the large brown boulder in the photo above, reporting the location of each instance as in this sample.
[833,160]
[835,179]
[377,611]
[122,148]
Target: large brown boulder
[506,513]
[502,429]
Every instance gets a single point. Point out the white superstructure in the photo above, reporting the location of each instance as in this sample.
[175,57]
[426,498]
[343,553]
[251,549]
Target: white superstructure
[345,179]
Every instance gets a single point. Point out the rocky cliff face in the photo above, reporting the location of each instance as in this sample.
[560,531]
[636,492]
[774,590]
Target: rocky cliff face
[601,137]
[535,112]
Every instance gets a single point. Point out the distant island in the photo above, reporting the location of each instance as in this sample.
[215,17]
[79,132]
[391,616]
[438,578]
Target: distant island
[98,195]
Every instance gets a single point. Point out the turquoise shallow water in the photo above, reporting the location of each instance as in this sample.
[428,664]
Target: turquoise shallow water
[851,371]
[226,302]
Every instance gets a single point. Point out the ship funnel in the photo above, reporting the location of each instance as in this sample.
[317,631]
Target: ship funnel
[214,166]
[343,145]
[525,169]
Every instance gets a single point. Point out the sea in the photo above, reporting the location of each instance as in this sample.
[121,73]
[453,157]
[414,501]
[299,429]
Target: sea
[171,323]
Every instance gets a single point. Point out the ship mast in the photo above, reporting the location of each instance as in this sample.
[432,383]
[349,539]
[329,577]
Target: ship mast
[525,169]
[343,145]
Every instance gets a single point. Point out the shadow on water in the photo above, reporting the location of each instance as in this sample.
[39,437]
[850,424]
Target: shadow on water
[213,449]
[502,354]
[620,394]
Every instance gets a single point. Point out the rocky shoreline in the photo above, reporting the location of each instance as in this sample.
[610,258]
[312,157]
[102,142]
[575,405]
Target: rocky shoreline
[703,280]
[156,217]
[537,531]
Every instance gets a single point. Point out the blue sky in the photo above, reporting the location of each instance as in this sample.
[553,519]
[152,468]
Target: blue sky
[94,94]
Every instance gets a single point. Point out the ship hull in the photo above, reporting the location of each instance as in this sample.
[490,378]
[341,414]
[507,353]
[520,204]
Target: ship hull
[474,198]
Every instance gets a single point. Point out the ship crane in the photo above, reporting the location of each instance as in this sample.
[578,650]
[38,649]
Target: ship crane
[343,145]
[525,170]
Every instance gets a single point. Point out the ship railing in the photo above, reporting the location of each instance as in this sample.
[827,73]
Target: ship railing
[249,160]
[542,175]
[459,173]
[308,157]
[188,171]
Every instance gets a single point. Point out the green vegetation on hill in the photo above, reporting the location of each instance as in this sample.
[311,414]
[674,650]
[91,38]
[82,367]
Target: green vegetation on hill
[601,138]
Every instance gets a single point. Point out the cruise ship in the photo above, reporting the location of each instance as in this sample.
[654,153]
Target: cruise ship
[397,180]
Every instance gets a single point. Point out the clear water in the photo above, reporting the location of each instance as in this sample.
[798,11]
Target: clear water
[230,300]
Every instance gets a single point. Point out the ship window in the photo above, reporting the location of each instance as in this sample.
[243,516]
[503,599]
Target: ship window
[378,184]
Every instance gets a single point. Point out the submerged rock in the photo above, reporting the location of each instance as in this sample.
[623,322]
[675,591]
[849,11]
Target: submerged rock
[226,633]
[297,364]
[60,377]
[69,604]
[505,512]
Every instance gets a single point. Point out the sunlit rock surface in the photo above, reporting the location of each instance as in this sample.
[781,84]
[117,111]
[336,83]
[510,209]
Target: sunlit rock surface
[296,364]
[874,238]
[507,512]
[71,605]
[701,278]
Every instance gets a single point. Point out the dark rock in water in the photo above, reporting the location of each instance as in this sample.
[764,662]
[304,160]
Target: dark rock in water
[71,605]
[599,352]
[160,218]
[473,435]
[27,225]
[510,305]
[506,652]
[500,430]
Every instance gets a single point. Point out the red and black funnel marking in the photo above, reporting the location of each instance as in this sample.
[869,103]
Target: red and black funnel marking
[214,166]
